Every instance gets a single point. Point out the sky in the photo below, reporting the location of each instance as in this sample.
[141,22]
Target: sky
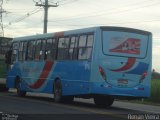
[23,18]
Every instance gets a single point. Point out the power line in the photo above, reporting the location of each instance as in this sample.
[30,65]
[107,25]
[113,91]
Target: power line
[80,25]
[98,13]
[23,17]
[28,14]
[69,2]
[106,13]
[59,1]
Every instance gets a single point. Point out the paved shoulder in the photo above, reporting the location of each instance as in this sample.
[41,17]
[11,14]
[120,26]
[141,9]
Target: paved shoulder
[138,107]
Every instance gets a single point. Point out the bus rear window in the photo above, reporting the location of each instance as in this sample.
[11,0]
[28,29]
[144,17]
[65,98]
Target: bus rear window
[124,44]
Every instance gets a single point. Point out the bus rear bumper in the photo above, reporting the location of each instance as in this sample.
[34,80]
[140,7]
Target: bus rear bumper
[107,89]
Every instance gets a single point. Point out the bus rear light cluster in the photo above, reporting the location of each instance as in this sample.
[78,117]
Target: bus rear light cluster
[108,86]
[102,72]
[143,76]
[141,88]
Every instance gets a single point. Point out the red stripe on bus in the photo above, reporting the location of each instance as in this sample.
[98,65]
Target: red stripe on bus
[46,70]
[130,62]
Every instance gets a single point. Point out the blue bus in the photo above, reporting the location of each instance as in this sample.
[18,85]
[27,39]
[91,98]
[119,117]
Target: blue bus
[101,62]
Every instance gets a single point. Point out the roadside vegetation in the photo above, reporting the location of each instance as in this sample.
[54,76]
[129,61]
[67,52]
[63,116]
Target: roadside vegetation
[155,88]
[155,91]
[2,69]
[154,99]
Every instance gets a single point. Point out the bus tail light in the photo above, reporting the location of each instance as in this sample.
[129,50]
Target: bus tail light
[143,76]
[141,89]
[102,72]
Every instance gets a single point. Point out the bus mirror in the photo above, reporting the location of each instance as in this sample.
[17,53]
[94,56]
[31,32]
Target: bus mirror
[8,57]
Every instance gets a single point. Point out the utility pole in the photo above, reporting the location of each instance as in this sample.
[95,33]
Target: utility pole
[1,19]
[46,6]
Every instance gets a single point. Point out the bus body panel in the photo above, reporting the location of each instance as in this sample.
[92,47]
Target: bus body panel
[74,76]
[127,71]
[36,77]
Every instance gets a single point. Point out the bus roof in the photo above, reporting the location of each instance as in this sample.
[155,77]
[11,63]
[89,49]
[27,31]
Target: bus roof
[54,34]
[79,31]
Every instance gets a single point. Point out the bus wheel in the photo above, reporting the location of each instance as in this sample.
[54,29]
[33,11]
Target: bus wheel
[58,97]
[20,93]
[57,91]
[103,101]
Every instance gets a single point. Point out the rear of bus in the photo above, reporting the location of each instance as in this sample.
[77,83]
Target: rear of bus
[122,62]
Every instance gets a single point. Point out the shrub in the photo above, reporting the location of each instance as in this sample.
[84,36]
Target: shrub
[155,90]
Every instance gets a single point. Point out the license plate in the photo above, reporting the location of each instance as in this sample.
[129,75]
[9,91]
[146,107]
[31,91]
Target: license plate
[123,81]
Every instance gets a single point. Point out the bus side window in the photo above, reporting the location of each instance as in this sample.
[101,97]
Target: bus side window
[73,48]
[63,48]
[24,51]
[48,49]
[82,47]
[20,51]
[30,50]
[42,50]
[14,52]
[38,51]
[90,39]
[85,47]
[51,47]
[54,49]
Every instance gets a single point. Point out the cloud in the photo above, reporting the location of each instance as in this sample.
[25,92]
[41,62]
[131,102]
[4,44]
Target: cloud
[85,13]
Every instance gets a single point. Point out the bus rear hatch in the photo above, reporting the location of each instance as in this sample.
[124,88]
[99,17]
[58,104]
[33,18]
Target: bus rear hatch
[126,57]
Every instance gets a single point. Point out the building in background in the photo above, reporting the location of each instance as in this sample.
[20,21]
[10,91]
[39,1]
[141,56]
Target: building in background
[4,47]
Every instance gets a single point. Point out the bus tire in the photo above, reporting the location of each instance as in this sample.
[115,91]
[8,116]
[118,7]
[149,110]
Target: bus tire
[58,97]
[57,91]
[20,93]
[103,101]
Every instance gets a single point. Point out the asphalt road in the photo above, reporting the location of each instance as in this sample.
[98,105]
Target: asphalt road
[40,106]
